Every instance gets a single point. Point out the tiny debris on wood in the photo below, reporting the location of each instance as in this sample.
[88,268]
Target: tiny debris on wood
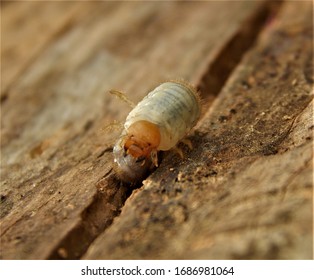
[245,189]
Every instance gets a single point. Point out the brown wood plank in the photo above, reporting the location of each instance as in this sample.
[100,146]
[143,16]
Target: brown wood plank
[27,28]
[246,189]
[57,192]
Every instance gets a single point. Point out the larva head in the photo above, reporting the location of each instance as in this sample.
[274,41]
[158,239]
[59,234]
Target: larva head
[136,153]
[142,140]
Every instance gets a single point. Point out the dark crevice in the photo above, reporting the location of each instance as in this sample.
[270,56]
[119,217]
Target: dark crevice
[213,79]
[112,194]
[106,205]
[4,97]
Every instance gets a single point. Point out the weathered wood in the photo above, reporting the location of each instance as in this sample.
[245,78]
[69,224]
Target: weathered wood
[28,29]
[246,189]
[57,189]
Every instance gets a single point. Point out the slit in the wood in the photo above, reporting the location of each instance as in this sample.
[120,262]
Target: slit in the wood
[93,220]
[4,98]
[106,205]
[214,77]
[98,216]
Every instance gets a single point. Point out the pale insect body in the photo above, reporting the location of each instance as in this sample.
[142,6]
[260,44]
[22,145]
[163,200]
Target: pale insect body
[157,123]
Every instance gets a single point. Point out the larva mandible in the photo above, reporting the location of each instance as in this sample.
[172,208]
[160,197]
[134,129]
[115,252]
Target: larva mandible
[157,123]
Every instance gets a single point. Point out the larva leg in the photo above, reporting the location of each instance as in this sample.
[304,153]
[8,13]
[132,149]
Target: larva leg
[154,158]
[187,142]
[178,151]
[122,96]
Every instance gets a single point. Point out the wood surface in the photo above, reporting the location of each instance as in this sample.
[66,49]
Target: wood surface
[245,191]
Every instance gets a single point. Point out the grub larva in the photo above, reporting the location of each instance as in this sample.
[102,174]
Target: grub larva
[157,123]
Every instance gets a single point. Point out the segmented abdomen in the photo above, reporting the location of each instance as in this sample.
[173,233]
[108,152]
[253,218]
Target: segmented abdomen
[173,106]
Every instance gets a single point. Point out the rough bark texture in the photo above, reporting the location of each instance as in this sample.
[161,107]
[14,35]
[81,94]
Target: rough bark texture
[244,191]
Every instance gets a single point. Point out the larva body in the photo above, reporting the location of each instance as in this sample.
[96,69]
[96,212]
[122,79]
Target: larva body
[157,123]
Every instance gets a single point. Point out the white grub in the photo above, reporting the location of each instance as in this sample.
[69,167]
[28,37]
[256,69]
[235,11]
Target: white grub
[157,123]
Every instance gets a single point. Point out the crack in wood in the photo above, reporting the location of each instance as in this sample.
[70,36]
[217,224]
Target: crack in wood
[105,206]
[111,194]
[214,77]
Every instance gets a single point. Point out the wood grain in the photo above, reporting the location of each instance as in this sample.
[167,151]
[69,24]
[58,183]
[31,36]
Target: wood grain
[245,189]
